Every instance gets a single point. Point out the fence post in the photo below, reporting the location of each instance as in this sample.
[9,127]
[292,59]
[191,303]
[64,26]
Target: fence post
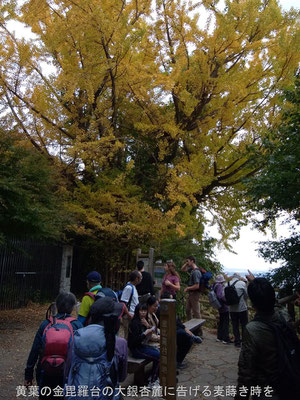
[168,348]
[66,269]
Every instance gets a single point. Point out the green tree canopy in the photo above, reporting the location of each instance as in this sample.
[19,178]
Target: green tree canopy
[29,200]
[276,189]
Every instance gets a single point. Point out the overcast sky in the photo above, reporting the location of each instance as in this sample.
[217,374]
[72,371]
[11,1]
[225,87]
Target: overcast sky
[245,247]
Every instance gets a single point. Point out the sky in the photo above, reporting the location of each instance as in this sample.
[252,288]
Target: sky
[245,255]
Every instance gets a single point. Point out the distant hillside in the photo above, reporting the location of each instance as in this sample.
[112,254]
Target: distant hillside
[244,272]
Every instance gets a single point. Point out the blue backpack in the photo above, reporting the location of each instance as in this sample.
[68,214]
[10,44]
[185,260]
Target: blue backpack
[204,281]
[103,292]
[120,293]
[90,367]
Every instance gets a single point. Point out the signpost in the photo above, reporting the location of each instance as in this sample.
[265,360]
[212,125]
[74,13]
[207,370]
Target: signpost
[168,348]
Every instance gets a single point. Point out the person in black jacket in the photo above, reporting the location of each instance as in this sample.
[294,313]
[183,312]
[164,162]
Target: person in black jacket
[138,336]
[145,287]
[259,361]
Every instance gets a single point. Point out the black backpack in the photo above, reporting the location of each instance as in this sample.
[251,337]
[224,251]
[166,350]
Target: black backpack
[231,295]
[288,345]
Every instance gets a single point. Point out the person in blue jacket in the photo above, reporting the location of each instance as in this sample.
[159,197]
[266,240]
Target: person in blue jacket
[64,303]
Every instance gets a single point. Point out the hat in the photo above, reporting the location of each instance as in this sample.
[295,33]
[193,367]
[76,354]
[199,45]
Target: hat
[220,279]
[93,276]
[106,307]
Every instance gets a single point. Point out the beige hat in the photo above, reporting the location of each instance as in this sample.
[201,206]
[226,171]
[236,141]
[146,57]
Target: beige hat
[220,278]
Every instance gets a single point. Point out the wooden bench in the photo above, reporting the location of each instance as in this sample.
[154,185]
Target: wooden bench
[137,366]
[194,325]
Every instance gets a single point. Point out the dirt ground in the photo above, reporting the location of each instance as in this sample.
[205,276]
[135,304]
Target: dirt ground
[17,331]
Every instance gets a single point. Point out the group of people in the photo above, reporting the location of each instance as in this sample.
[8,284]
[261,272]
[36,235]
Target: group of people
[238,312]
[96,356]
[270,353]
[86,359]
[87,351]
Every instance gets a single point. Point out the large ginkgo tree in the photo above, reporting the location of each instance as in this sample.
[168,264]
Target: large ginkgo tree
[152,115]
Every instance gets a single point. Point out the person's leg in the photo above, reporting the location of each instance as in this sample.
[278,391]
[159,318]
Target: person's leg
[195,303]
[188,307]
[49,383]
[235,327]
[219,329]
[184,343]
[225,326]
[243,320]
[125,323]
[149,353]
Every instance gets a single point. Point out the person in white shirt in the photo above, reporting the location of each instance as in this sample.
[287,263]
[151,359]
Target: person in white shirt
[239,312]
[130,298]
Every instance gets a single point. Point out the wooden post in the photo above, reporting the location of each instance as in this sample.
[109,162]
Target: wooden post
[151,262]
[66,269]
[168,348]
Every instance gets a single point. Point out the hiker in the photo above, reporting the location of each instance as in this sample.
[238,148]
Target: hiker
[93,281]
[193,289]
[130,298]
[99,358]
[239,311]
[145,288]
[223,323]
[171,279]
[45,346]
[138,336]
[184,338]
[260,362]
[153,321]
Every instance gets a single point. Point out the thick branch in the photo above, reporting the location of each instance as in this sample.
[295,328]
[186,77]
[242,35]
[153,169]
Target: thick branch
[33,142]
[34,109]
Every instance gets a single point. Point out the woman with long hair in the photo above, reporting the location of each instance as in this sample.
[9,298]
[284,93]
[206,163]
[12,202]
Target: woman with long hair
[138,336]
[153,321]
[171,279]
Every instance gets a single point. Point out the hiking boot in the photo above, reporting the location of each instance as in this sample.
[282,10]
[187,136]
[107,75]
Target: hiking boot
[197,339]
[154,384]
[181,365]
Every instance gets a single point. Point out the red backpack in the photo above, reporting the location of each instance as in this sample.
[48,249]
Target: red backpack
[57,339]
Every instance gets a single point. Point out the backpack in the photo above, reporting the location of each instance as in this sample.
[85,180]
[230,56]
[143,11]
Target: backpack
[204,281]
[231,295]
[90,366]
[103,292]
[120,293]
[288,346]
[213,299]
[57,339]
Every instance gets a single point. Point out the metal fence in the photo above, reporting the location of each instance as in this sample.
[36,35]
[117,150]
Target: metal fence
[29,270]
